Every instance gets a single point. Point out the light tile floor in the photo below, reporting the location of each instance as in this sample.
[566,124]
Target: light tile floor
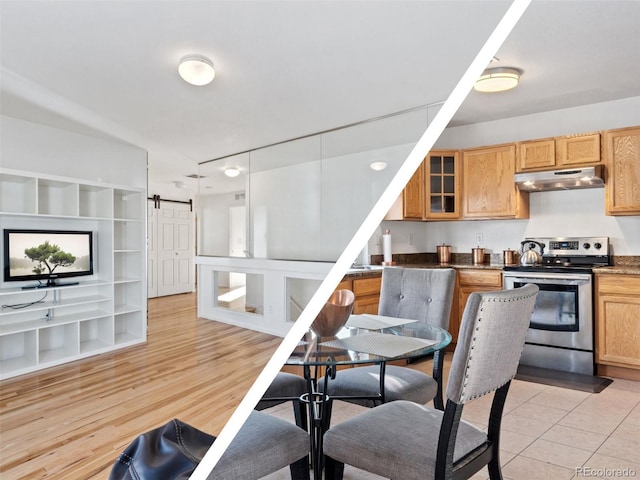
[548,433]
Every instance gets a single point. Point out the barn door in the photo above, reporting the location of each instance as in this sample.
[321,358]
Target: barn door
[174,248]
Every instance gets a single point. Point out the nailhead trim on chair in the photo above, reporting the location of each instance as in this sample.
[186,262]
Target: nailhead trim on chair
[464,398]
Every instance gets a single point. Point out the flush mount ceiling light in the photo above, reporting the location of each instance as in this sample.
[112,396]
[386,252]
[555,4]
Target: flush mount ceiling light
[497,79]
[378,166]
[196,70]
[231,172]
[180,184]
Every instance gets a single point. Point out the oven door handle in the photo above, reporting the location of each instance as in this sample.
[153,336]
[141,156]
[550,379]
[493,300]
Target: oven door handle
[551,281]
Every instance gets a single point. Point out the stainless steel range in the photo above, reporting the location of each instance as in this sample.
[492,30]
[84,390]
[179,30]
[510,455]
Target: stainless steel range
[561,334]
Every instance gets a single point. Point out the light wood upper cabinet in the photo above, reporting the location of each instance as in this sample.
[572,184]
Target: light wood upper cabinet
[622,159]
[618,320]
[413,196]
[434,192]
[560,152]
[410,203]
[442,185]
[488,186]
[537,154]
[578,150]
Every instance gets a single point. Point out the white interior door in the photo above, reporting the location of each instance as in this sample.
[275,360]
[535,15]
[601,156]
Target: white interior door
[152,252]
[175,248]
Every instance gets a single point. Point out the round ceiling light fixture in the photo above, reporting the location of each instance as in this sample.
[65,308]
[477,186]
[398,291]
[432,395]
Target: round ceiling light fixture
[231,172]
[497,79]
[196,70]
[378,166]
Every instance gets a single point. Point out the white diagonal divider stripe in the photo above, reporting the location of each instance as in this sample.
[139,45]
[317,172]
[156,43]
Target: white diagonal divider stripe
[364,232]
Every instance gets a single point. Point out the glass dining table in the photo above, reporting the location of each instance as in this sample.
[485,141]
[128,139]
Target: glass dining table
[365,339]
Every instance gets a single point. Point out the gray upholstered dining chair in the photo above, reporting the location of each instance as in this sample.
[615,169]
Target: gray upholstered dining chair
[420,294]
[264,445]
[286,387]
[404,440]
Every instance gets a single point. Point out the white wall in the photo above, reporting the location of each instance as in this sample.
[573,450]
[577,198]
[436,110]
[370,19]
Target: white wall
[42,149]
[169,191]
[556,213]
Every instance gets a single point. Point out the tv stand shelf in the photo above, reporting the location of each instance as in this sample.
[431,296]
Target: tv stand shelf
[102,312]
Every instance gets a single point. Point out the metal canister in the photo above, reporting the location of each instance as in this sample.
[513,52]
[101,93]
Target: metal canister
[444,253]
[509,256]
[477,256]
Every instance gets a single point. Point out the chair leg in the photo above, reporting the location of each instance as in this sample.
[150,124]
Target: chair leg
[300,469]
[300,414]
[438,368]
[333,470]
[495,471]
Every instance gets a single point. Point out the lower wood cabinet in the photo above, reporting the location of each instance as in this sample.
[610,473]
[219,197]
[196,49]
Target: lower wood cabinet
[618,324]
[469,281]
[366,291]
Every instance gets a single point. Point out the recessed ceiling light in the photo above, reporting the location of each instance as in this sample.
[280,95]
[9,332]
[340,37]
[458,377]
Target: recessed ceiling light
[497,79]
[196,70]
[378,166]
[231,172]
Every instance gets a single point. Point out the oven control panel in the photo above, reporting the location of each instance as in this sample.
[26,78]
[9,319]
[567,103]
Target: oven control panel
[574,245]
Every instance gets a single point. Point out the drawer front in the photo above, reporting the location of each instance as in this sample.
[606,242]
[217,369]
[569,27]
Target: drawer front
[367,304]
[488,278]
[619,284]
[367,286]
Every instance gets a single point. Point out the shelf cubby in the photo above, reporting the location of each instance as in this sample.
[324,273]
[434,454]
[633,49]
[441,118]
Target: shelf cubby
[57,198]
[17,194]
[57,342]
[96,334]
[127,265]
[18,352]
[127,297]
[128,205]
[95,202]
[126,234]
[129,327]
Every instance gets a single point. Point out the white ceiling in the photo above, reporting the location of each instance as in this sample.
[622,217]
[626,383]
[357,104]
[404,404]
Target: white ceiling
[292,68]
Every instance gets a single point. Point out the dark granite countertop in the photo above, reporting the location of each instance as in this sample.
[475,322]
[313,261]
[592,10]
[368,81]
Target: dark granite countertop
[618,270]
[622,265]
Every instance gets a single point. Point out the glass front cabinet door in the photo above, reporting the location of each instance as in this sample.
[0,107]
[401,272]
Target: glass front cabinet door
[442,175]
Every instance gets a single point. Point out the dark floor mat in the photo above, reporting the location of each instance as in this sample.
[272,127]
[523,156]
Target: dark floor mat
[574,381]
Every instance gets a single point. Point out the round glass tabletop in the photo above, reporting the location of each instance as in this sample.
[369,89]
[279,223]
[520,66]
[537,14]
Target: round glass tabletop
[355,344]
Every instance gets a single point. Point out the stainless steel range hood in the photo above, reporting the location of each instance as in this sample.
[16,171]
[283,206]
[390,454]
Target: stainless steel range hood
[569,179]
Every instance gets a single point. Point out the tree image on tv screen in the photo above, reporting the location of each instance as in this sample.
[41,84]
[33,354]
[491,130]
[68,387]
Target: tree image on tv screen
[49,256]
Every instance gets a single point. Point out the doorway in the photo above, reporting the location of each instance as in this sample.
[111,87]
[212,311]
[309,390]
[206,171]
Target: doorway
[170,247]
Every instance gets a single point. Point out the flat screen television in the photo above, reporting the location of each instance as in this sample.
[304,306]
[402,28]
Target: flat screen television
[47,255]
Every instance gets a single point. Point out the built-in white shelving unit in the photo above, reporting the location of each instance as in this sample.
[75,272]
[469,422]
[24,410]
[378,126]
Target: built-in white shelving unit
[43,327]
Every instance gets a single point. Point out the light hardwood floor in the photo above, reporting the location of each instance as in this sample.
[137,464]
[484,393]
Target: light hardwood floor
[72,421]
